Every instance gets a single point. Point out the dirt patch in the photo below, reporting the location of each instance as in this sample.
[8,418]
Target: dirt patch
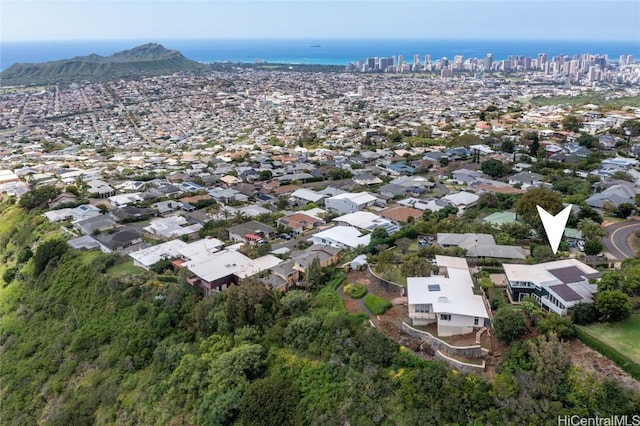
[352,306]
[499,280]
[360,277]
[593,361]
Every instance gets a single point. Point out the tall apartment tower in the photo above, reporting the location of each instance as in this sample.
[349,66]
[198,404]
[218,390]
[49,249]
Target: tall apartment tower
[488,62]
[542,59]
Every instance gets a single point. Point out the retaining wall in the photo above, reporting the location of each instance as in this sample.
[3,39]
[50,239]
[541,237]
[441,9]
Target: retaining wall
[460,366]
[475,351]
[384,285]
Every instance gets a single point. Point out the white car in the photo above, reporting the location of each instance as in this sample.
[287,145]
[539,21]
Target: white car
[581,245]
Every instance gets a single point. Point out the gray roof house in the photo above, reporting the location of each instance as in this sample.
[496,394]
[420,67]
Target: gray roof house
[616,195]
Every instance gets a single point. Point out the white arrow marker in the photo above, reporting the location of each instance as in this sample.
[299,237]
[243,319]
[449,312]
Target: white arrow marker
[554,225]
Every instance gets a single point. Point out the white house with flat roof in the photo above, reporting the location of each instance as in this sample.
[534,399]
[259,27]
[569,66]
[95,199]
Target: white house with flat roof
[148,257]
[447,299]
[341,237]
[367,221]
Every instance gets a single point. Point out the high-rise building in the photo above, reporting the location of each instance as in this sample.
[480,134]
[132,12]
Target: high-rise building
[488,62]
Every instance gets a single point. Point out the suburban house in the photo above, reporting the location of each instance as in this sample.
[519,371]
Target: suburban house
[481,245]
[302,197]
[95,224]
[77,213]
[401,214]
[447,299]
[119,240]
[341,237]
[221,269]
[63,198]
[122,200]
[149,256]
[462,200]
[367,221]
[172,227]
[526,179]
[100,189]
[349,202]
[298,222]
[614,195]
[557,286]
[289,272]
[238,233]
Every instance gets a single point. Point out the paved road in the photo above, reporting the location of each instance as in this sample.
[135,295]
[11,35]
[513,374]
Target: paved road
[618,238]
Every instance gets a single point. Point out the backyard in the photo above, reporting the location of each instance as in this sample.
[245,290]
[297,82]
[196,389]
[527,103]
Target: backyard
[623,336]
[125,268]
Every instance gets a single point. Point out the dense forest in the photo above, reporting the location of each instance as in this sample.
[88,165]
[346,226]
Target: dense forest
[83,344]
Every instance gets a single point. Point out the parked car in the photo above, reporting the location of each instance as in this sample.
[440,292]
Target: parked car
[285,236]
[581,245]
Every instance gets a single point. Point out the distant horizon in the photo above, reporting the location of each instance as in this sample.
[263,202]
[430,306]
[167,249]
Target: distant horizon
[331,51]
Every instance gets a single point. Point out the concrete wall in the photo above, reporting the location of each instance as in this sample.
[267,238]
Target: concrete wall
[460,366]
[383,284]
[436,344]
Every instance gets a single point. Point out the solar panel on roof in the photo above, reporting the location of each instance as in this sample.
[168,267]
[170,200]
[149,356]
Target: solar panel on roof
[433,287]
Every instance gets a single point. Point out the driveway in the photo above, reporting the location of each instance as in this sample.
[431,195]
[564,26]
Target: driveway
[618,238]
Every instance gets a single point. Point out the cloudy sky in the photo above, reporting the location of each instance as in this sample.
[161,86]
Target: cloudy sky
[188,19]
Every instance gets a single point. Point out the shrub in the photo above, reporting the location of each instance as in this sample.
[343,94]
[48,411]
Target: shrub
[24,255]
[377,305]
[614,305]
[355,291]
[509,324]
[584,313]
[554,323]
[9,274]
[46,252]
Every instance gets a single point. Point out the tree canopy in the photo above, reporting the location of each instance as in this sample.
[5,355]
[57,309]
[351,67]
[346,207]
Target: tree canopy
[549,200]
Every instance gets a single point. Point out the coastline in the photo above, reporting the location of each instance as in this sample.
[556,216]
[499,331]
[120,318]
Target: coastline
[299,51]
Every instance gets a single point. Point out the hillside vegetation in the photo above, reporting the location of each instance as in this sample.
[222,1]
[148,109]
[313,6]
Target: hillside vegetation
[81,345]
[146,60]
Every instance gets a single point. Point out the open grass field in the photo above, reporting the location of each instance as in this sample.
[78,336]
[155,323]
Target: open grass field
[623,336]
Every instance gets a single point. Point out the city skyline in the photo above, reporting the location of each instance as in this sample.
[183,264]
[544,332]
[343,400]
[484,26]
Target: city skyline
[143,19]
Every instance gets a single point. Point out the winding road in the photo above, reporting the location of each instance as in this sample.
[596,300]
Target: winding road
[618,238]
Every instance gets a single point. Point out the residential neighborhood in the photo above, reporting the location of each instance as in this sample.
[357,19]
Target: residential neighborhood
[424,201]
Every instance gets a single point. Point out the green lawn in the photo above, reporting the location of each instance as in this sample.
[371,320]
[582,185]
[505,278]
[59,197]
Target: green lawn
[126,268]
[623,336]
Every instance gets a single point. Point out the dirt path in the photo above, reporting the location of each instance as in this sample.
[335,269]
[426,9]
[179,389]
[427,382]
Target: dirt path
[355,306]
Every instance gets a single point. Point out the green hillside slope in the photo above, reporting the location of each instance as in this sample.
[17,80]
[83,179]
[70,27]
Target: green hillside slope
[146,60]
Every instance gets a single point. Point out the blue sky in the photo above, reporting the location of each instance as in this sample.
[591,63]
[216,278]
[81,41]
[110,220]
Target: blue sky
[176,19]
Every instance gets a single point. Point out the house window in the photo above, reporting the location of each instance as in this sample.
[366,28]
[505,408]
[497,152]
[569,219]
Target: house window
[422,308]
[476,321]
[445,317]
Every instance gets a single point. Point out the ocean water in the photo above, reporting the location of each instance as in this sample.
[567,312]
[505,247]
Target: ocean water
[315,51]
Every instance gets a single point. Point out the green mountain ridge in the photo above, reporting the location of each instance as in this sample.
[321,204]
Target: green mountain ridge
[146,60]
